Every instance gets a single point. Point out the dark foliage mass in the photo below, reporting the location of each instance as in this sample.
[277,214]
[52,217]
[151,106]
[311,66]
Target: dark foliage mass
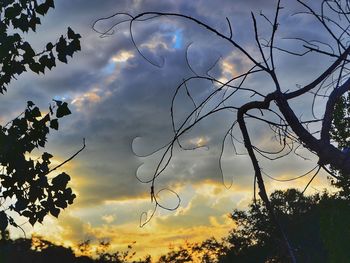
[340,133]
[38,250]
[16,54]
[316,225]
[26,188]
[25,179]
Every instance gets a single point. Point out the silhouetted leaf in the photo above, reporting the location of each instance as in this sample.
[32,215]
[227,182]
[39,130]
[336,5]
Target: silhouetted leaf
[54,211]
[3,221]
[70,33]
[21,204]
[36,112]
[63,110]
[42,9]
[13,11]
[30,104]
[54,124]
[46,156]
[49,46]
[32,220]
[60,181]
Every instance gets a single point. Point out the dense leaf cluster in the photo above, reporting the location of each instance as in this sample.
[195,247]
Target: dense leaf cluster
[38,250]
[25,188]
[16,54]
[340,133]
[317,227]
[23,178]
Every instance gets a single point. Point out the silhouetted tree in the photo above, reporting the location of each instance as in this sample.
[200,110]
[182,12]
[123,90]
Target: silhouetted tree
[25,186]
[39,250]
[340,133]
[317,227]
[207,251]
[273,108]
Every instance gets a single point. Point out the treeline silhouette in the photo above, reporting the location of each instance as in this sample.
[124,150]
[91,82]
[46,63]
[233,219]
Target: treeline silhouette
[39,250]
[317,225]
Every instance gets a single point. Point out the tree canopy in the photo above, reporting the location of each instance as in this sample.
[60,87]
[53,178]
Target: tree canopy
[16,54]
[26,188]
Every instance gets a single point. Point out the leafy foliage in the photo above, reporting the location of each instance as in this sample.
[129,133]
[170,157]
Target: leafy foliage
[25,179]
[208,251]
[16,54]
[340,133]
[24,184]
[39,250]
[316,225]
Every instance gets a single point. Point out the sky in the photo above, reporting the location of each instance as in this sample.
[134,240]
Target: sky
[121,100]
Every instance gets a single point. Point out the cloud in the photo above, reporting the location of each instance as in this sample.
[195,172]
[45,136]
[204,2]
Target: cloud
[85,100]
[108,218]
[202,215]
[122,56]
[117,96]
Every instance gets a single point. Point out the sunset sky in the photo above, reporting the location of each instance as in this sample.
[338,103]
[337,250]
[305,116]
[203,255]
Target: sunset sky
[121,105]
